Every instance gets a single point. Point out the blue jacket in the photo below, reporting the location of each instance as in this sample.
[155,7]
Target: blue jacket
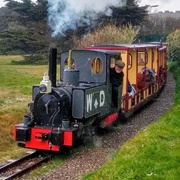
[151,72]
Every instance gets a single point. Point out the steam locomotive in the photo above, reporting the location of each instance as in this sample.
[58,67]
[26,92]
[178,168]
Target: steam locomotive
[64,111]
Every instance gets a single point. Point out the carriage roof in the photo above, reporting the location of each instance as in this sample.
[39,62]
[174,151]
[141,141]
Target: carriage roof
[126,46]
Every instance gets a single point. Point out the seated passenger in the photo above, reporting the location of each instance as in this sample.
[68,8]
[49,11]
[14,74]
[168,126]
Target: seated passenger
[116,79]
[141,83]
[145,77]
[150,76]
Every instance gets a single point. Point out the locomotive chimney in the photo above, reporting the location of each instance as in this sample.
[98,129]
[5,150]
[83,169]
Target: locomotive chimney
[52,65]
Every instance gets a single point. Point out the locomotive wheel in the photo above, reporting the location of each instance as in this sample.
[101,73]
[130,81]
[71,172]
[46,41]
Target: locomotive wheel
[66,150]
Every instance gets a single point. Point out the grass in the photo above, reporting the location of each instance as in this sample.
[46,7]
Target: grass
[152,154]
[15,89]
[19,77]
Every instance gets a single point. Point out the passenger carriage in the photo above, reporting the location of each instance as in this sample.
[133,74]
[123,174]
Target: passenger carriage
[136,57]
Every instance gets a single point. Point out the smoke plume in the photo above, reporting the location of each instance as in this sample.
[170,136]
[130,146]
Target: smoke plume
[65,14]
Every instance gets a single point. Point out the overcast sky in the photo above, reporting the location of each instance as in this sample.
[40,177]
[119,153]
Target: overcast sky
[163,5]
[171,5]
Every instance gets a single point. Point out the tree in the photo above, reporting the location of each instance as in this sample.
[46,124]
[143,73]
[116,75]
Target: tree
[130,13]
[157,27]
[28,31]
[29,10]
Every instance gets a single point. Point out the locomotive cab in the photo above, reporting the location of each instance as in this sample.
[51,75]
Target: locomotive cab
[94,67]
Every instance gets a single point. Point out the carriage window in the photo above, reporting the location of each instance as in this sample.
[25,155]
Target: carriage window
[96,66]
[142,58]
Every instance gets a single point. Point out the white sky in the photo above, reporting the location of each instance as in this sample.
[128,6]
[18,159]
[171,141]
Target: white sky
[2,3]
[163,5]
[171,5]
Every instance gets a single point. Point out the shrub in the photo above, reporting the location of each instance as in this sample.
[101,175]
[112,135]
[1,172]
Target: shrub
[109,34]
[32,59]
[173,40]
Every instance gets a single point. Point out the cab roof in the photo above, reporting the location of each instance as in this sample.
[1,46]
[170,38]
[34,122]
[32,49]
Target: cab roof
[105,51]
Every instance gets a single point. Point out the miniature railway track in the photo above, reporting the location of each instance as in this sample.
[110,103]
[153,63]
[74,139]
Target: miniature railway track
[21,166]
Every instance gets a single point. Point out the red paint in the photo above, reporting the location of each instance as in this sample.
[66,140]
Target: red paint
[37,143]
[141,83]
[14,132]
[109,120]
[68,137]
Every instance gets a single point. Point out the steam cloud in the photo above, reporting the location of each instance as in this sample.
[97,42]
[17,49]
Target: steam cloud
[65,14]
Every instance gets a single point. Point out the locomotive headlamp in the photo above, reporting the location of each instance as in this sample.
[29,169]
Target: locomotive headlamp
[42,87]
[45,85]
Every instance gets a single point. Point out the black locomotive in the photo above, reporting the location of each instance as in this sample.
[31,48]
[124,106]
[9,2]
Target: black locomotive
[62,112]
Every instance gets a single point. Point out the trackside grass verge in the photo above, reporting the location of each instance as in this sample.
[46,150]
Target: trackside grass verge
[15,94]
[152,154]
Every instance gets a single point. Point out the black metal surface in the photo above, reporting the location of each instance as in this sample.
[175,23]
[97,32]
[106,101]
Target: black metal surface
[23,134]
[52,65]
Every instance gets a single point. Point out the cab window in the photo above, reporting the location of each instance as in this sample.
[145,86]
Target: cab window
[96,66]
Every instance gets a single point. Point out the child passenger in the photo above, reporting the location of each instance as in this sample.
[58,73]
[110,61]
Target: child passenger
[131,90]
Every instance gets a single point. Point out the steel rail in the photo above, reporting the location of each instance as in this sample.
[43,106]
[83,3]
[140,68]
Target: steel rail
[24,170]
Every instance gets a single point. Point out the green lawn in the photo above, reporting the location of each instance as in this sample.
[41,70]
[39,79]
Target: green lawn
[15,89]
[152,154]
